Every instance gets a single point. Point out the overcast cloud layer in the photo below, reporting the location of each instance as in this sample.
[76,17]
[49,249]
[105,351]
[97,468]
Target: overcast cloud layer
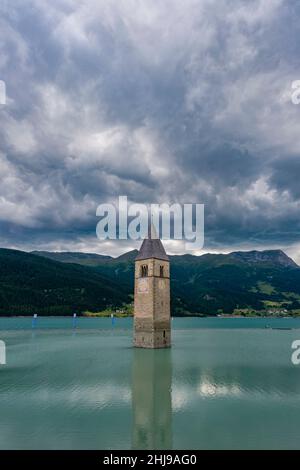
[162,101]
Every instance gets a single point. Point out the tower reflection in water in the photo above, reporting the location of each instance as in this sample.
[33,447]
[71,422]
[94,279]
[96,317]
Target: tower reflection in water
[151,399]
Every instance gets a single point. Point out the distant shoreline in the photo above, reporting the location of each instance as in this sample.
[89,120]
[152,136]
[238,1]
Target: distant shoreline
[174,316]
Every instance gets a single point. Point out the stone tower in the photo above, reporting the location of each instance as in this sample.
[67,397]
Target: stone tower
[152,326]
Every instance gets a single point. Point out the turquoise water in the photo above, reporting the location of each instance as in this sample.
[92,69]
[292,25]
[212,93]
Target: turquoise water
[25,323]
[225,384]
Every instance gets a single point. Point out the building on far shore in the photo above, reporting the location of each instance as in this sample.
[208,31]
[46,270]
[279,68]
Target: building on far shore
[152,325]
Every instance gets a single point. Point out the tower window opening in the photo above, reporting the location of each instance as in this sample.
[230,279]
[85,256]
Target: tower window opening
[144,271]
[161,271]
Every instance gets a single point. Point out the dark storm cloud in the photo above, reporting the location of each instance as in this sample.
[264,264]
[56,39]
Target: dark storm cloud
[162,101]
[285,176]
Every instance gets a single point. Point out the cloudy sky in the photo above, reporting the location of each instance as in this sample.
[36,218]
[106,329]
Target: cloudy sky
[162,101]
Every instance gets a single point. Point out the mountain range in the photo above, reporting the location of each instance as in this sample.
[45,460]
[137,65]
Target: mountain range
[60,283]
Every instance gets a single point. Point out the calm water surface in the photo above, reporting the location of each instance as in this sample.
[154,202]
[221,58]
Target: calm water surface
[225,384]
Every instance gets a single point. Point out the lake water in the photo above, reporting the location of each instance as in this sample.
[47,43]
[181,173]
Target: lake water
[225,384]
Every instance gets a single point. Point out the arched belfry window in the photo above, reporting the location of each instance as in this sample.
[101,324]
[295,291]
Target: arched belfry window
[161,271]
[144,270]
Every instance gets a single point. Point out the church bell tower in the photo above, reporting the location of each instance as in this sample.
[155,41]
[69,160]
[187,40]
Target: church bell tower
[152,326]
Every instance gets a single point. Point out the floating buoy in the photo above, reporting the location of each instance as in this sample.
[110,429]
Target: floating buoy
[34,320]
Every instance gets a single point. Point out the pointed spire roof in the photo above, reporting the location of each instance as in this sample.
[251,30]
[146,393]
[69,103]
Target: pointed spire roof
[152,246]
